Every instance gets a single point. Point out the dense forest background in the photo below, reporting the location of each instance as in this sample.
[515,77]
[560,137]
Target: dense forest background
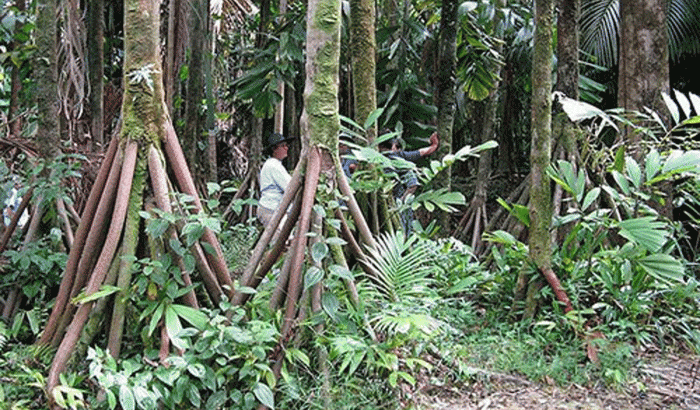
[556,227]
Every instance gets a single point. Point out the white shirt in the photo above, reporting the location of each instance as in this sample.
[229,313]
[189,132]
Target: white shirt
[12,203]
[274,179]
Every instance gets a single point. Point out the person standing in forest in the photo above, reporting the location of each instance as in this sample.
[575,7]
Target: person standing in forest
[273,177]
[408,179]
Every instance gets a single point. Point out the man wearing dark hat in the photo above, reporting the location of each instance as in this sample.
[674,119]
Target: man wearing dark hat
[273,177]
[409,181]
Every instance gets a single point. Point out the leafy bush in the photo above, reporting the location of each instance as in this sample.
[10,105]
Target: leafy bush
[224,365]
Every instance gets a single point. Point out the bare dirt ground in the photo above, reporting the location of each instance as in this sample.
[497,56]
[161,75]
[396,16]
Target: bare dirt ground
[660,383]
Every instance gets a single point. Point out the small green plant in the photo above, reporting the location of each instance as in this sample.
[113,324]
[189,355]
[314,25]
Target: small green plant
[222,365]
[22,370]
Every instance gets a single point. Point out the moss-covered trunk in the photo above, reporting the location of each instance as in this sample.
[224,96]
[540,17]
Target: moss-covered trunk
[135,177]
[45,76]
[363,49]
[194,136]
[445,91]
[540,242]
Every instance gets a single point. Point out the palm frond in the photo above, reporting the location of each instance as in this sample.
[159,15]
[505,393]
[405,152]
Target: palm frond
[402,266]
[4,334]
[395,321]
[683,27]
[600,22]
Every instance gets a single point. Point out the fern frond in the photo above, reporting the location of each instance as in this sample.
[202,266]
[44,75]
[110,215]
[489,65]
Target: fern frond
[403,266]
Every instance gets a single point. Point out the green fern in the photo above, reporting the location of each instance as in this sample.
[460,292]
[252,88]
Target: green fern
[402,266]
[4,335]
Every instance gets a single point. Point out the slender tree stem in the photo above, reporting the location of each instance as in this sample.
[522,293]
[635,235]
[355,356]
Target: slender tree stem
[78,244]
[68,343]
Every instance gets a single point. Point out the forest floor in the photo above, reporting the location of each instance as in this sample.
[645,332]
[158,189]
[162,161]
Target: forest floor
[661,382]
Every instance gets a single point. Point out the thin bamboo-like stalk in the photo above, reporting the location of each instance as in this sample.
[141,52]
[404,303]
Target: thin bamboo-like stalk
[159,183]
[78,244]
[126,263]
[354,208]
[15,295]
[272,256]
[116,228]
[63,216]
[309,196]
[10,229]
[81,263]
[174,153]
[264,240]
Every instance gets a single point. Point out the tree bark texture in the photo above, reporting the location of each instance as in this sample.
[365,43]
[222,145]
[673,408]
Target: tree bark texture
[95,65]
[194,130]
[540,242]
[174,56]
[363,50]
[568,14]
[445,85]
[644,58]
[16,84]
[45,75]
[140,162]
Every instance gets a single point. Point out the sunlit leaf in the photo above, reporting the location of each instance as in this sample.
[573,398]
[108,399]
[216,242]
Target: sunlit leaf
[264,395]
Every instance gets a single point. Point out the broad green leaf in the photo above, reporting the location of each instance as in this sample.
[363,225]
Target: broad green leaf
[683,102]
[264,395]
[126,398]
[621,182]
[173,326]
[313,276]
[157,227]
[105,290]
[330,304]
[294,354]
[319,250]
[372,117]
[216,400]
[111,399]
[695,100]
[197,370]
[192,315]
[341,271]
[463,284]
[634,172]
[681,161]
[194,396]
[672,107]
[663,267]
[335,240]
[591,196]
[157,315]
[646,232]
[568,218]
[652,164]
[522,213]
[144,399]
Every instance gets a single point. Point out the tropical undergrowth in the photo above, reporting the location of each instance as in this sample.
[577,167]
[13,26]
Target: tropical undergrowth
[429,314]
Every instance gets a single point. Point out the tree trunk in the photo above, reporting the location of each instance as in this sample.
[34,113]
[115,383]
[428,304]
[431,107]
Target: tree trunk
[95,66]
[174,55]
[644,59]
[540,242]
[45,75]
[16,84]
[194,135]
[137,164]
[445,90]
[363,49]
